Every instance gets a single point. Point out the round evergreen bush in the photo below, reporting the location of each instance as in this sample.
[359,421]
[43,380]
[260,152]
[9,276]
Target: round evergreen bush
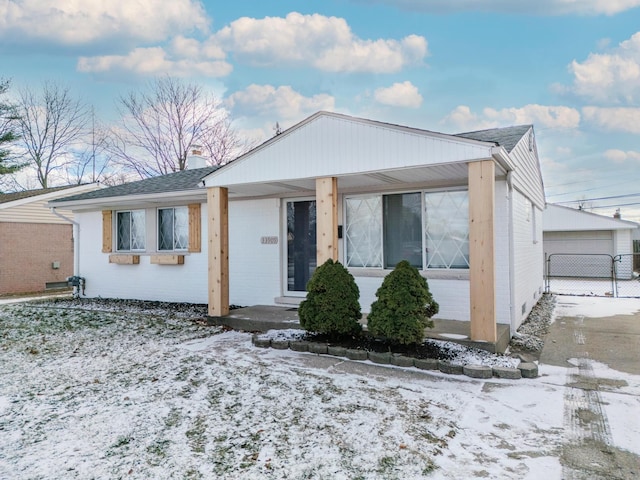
[404,306]
[332,305]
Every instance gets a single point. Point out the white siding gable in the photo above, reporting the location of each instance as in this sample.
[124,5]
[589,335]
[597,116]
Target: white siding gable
[335,145]
[527,177]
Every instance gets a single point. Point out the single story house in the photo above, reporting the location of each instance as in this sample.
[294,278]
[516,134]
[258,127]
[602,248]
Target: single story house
[36,245]
[580,243]
[465,209]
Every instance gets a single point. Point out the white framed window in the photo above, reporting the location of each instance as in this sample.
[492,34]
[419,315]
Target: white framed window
[130,231]
[430,229]
[173,228]
[364,231]
[447,229]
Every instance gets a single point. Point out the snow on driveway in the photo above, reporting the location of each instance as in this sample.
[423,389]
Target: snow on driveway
[97,394]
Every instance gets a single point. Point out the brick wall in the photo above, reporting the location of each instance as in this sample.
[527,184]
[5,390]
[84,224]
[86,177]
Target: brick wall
[27,251]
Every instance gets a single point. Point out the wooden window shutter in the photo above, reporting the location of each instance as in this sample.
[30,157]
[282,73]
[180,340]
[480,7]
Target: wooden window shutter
[194,227]
[107,231]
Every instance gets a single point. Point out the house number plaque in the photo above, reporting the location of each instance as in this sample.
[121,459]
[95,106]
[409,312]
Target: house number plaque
[269,240]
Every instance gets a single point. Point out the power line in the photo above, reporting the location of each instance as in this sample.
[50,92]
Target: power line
[592,189]
[617,205]
[590,180]
[601,198]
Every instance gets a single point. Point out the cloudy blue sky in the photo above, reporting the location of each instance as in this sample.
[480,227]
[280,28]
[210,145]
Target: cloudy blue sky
[572,68]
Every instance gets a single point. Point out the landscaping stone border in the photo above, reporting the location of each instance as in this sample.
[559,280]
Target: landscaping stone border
[524,369]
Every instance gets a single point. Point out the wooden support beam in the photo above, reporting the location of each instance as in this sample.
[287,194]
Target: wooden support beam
[326,219]
[218,222]
[482,250]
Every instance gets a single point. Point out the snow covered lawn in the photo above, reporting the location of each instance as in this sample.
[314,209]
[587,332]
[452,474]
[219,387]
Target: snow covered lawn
[153,394]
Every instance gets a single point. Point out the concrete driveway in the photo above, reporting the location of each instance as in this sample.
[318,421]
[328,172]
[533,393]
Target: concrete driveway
[611,339]
[598,342]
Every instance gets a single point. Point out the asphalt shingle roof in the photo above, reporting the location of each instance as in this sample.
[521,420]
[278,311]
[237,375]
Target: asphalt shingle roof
[506,137]
[172,182]
[10,197]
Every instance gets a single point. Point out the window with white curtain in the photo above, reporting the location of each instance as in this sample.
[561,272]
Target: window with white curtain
[364,231]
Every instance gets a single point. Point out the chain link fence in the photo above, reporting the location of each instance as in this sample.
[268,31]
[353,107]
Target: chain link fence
[627,275]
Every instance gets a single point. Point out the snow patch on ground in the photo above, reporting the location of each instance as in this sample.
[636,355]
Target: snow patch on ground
[595,307]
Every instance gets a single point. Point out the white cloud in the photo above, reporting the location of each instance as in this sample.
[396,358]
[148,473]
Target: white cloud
[403,94]
[325,43]
[83,22]
[540,115]
[613,76]
[463,119]
[620,156]
[278,104]
[621,119]
[538,7]
[153,61]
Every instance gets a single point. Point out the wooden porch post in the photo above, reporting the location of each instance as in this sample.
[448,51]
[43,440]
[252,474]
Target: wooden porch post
[326,219]
[481,250]
[218,212]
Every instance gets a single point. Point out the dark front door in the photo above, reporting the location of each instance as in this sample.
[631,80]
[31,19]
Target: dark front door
[301,243]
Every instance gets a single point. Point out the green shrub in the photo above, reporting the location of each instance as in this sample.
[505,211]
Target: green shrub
[331,306]
[404,306]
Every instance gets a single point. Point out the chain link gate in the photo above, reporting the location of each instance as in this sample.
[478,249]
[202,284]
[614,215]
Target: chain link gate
[627,275]
[599,275]
[580,274]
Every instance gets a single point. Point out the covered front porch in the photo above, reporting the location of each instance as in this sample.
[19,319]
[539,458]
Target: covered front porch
[329,158]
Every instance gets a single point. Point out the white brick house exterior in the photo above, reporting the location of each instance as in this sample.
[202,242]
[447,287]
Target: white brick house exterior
[379,175]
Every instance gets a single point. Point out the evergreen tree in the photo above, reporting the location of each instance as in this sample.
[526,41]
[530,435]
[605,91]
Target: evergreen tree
[404,306]
[332,305]
[8,132]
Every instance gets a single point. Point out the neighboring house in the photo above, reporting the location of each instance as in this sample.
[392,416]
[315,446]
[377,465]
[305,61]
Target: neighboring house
[36,246]
[465,209]
[595,238]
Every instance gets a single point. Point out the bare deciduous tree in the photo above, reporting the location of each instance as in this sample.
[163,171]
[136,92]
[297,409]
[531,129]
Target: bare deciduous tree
[52,124]
[93,160]
[160,126]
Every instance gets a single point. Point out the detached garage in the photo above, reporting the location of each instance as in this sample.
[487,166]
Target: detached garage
[568,232]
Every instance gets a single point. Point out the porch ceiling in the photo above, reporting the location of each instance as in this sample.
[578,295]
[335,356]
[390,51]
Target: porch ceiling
[425,176]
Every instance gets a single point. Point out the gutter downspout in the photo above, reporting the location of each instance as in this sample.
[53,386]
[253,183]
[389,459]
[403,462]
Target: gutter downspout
[512,256]
[76,240]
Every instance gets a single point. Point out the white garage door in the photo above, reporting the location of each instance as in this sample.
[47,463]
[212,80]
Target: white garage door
[598,241]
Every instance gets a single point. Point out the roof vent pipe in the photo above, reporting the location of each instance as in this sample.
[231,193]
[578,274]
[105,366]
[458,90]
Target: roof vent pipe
[617,214]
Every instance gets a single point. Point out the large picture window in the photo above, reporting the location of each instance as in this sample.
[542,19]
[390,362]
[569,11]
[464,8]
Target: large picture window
[173,228]
[428,229]
[130,231]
